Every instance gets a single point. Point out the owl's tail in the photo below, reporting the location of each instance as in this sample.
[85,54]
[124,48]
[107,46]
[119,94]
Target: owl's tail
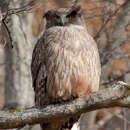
[54,125]
[60,124]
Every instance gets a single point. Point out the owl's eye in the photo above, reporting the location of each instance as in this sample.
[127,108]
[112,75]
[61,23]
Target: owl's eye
[69,17]
[56,17]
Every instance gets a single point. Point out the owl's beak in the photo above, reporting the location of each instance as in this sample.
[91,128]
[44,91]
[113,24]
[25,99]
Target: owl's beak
[63,21]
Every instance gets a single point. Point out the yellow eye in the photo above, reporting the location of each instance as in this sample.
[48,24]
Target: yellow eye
[56,17]
[69,17]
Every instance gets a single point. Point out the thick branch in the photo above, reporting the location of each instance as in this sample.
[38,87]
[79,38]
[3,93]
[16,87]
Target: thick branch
[110,97]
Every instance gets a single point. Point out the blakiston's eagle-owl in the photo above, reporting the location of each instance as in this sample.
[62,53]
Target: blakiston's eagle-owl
[65,60]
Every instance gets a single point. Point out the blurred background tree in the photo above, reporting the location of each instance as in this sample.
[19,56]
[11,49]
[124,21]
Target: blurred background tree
[107,21]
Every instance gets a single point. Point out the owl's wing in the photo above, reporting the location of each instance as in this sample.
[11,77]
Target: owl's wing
[37,64]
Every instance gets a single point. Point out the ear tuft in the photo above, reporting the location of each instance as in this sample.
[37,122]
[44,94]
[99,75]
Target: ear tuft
[76,8]
[48,14]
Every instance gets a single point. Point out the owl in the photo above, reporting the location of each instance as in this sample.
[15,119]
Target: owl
[65,61]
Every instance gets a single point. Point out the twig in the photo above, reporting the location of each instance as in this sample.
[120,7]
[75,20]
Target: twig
[108,19]
[122,117]
[8,32]
[28,7]
[34,4]
[112,80]
[102,122]
[108,56]
[5,27]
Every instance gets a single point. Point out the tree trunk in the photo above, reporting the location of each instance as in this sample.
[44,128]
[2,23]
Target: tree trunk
[18,84]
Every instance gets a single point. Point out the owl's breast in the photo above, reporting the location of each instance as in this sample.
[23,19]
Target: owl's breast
[71,38]
[72,64]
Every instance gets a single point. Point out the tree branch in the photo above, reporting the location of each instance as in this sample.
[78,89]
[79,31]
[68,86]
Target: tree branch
[117,95]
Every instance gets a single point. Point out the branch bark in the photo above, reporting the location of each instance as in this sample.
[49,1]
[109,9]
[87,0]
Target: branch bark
[117,95]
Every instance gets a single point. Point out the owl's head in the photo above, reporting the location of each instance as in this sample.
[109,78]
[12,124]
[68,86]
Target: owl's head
[64,17]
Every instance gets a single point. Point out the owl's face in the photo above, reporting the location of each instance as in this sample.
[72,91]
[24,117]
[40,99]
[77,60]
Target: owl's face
[64,17]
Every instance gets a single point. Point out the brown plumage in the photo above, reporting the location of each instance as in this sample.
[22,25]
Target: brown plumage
[65,60]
